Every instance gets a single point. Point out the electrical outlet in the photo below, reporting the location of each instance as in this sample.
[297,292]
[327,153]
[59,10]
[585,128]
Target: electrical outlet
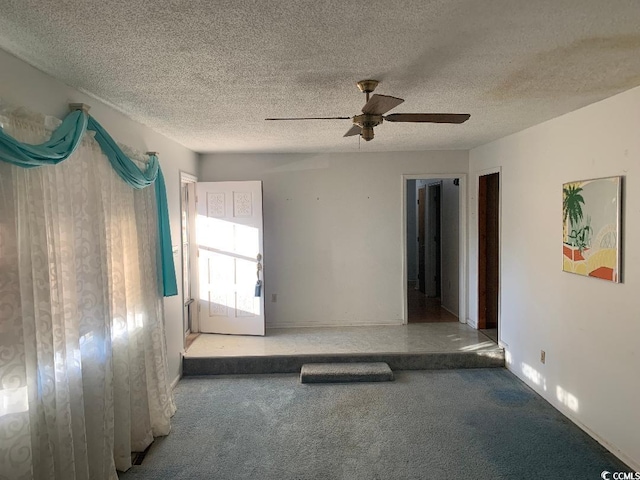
[274,297]
[543,356]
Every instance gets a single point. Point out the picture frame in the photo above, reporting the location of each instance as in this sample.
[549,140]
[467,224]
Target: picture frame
[591,228]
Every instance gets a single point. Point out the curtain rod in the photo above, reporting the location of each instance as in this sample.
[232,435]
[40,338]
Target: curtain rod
[79,106]
[85,108]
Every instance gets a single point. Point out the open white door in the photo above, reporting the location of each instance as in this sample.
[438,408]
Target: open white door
[230,250]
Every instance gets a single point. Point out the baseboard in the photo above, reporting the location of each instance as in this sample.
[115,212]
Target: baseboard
[175,382]
[324,325]
[472,323]
[631,463]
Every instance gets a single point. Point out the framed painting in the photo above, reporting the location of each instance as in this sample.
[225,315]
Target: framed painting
[591,211]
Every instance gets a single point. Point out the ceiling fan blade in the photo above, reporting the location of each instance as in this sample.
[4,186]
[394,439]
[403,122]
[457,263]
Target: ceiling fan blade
[379,104]
[428,117]
[355,130]
[311,118]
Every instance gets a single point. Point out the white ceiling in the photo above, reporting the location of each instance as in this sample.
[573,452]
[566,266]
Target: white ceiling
[206,73]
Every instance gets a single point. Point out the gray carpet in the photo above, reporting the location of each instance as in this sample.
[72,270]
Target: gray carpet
[446,424]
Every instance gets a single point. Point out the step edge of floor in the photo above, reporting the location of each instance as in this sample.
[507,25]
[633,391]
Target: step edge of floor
[347,378]
[492,352]
[196,366]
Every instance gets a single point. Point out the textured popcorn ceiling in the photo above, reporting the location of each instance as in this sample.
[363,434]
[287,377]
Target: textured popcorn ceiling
[207,73]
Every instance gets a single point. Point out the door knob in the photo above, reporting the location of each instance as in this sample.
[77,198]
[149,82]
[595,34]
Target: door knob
[258,289]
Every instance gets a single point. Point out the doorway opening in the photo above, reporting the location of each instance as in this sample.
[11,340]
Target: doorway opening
[433,264]
[489,254]
[187,227]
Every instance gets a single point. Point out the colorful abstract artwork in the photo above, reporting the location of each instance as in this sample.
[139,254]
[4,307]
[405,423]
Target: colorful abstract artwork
[591,228]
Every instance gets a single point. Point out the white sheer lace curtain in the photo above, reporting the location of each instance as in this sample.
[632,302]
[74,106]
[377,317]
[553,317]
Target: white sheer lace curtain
[83,376]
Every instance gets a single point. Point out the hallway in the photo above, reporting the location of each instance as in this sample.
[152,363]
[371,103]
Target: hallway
[423,309]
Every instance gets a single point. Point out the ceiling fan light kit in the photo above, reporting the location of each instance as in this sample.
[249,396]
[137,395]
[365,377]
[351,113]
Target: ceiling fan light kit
[376,106]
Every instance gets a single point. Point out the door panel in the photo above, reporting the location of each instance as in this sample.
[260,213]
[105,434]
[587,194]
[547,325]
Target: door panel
[493,251]
[230,250]
[433,242]
[422,272]
[437,238]
[488,250]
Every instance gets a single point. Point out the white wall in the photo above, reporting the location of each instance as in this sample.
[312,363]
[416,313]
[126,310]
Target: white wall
[333,238]
[23,85]
[450,231]
[589,328]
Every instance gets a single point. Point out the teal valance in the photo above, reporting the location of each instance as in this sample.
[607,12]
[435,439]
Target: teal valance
[64,141]
[59,147]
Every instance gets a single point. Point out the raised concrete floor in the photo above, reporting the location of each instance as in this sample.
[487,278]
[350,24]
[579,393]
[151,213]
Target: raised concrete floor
[285,350]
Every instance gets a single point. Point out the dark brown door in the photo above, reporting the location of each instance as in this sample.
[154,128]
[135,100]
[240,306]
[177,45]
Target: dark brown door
[488,250]
[422,228]
[435,190]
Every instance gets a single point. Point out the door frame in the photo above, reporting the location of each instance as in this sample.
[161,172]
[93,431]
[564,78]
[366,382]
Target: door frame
[462,231]
[477,175]
[189,178]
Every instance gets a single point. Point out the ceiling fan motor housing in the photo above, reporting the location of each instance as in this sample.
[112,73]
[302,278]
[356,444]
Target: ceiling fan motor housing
[366,122]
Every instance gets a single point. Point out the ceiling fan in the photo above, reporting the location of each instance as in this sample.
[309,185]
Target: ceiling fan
[376,106]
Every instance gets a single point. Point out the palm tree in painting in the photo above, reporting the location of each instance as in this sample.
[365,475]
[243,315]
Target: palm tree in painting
[572,205]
